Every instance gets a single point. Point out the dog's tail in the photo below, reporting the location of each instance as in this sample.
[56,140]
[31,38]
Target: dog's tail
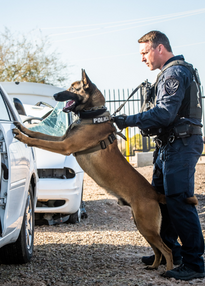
[192,201]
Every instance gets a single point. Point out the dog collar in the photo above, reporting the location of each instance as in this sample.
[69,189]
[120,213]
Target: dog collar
[97,120]
[87,114]
[101,119]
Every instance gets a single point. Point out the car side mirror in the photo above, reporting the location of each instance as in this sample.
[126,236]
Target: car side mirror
[19,106]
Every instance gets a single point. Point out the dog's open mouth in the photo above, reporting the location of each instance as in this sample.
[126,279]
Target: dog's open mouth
[70,105]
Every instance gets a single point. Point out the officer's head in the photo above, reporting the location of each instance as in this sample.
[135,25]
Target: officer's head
[155,49]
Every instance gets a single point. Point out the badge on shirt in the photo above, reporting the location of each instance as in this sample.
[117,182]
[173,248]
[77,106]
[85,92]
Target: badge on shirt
[171,85]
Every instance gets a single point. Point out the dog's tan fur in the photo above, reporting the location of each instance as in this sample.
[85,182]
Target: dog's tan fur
[107,167]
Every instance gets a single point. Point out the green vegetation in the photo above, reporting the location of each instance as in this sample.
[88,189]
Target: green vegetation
[30,58]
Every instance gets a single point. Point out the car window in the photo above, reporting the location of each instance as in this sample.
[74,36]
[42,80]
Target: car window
[4,113]
[56,123]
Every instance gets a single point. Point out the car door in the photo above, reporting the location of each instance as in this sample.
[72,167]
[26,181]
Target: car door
[14,171]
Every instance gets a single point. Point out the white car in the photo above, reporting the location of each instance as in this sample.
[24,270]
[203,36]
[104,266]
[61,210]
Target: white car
[60,177]
[18,189]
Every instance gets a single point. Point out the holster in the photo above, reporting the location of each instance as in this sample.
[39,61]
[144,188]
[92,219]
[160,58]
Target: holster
[186,130]
[151,132]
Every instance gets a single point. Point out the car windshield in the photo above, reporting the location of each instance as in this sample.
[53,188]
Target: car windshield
[56,123]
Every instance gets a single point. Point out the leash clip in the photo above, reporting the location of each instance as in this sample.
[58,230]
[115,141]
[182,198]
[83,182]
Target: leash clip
[121,135]
[171,138]
[158,142]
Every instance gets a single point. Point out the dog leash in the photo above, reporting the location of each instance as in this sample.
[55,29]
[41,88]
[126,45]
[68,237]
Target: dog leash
[123,104]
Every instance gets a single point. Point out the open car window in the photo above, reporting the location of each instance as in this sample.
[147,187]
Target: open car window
[55,124]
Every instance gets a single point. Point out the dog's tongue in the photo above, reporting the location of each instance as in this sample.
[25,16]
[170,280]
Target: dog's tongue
[69,106]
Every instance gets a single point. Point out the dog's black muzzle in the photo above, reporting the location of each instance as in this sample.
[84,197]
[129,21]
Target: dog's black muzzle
[66,95]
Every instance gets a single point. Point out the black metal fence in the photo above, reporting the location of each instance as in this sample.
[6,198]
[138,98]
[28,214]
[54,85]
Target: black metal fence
[114,98]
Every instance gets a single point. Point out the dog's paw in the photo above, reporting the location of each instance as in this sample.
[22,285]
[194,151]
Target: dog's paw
[19,136]
[150,268]
[22,128]
[17,133]
[18,125]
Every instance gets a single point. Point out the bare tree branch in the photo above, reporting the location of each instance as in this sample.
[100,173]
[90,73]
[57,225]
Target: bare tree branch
[25,59]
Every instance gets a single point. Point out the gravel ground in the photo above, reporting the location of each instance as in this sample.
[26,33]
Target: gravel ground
[104,249]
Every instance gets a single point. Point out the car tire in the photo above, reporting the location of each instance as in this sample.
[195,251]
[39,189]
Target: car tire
[21,251]
[74,218]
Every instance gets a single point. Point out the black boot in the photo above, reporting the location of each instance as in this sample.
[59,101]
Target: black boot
[183,272]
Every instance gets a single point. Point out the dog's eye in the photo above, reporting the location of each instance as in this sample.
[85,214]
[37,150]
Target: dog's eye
[74,89]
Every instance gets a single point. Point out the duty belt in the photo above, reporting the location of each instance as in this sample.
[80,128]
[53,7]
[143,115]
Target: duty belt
[178,132]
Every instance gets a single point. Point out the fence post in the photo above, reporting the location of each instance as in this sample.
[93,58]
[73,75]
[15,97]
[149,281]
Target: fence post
[127,144]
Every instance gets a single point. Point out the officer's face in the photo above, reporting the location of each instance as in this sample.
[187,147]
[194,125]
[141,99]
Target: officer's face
[150,56]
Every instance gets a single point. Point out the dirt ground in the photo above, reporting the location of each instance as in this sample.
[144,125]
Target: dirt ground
[104,249]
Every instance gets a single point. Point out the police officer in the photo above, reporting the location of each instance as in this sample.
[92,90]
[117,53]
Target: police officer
[176,121]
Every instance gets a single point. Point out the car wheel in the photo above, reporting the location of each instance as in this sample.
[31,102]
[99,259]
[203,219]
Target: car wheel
[76,217]
[21,251]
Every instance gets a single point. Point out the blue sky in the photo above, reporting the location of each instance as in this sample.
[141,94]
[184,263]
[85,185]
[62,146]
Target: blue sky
[101,36]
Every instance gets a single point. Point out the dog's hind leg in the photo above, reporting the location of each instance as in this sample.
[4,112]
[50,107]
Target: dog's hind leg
[158,258]
[151,233]
[166,251]
[160,248]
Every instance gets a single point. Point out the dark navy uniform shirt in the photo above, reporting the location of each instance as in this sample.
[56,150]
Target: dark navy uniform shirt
[170,92]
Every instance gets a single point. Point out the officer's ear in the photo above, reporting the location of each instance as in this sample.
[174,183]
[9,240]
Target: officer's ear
[160,48]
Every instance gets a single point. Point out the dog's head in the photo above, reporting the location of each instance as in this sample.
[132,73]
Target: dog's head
[81,95]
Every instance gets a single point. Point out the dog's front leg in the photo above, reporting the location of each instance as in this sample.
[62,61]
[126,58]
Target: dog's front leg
[34,134]
[63,147]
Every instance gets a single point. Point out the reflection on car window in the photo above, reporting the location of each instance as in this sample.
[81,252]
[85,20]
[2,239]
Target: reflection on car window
[3,110]
[55,124]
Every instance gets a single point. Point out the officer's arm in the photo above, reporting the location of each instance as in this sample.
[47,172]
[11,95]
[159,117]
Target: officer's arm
[167,105]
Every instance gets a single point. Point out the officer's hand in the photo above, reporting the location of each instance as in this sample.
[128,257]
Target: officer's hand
[120,121]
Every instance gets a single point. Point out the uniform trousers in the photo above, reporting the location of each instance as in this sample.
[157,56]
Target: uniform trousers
[173,176]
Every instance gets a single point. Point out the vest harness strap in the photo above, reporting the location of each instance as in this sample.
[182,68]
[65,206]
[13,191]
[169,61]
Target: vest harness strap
[190,107]
[101,146]
[191,104]
[95,119]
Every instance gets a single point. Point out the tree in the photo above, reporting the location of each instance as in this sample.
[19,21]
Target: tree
[23,58]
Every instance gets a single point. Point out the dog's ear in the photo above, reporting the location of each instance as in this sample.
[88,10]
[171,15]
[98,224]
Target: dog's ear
[87,84]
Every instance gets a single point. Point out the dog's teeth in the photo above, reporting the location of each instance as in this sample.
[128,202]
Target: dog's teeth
[70,103]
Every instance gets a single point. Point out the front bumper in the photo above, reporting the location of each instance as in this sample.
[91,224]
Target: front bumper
[68,190]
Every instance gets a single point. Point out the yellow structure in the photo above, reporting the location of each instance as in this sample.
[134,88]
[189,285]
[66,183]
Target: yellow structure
[127,144]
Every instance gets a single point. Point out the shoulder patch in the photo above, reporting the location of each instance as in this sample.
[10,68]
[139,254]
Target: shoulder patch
[171,85]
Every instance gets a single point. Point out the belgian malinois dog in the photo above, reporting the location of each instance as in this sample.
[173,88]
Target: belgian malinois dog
[92,140]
